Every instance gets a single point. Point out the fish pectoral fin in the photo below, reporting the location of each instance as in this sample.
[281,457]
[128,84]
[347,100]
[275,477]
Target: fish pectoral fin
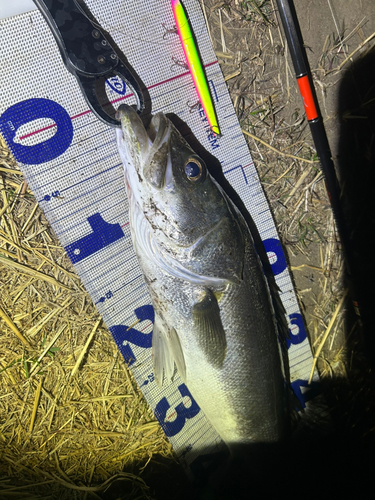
[166,351]
[211,334]
[178,355]
[162,359]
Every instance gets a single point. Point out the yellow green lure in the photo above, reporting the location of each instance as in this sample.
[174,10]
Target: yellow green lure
[195,64]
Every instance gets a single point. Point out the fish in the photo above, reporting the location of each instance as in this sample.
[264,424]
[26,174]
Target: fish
[214,319]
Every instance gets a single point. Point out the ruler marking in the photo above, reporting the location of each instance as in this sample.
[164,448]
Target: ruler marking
[236,136]
[232,126]
[63,190]
[94,175]
[263,211]
[96,202]
[120,252]
[167,91]
[128,283]
[123,287]
[107,271]
[236,160]
[231,170]
[143,284]
[302,346]
[229,116]
[166,106]
[264,231]
[128,319]
[301,361]
[63,163]
[205,439]
[93,122]
[117,217]
[88,283]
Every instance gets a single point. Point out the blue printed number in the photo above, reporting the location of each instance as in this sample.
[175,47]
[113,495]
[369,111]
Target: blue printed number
[173,421]
[310,392]
[33,109]
[150,378]
[55,194]
[275,255]
[107,296]
[296,329]
[122,333]
[103,234]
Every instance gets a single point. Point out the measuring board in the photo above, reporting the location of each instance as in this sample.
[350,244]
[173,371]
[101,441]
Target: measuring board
[71,163]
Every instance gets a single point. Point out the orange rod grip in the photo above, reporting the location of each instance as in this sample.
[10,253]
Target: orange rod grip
[307,96]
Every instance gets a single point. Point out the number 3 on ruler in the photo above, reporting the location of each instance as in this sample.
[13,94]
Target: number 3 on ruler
[174,422]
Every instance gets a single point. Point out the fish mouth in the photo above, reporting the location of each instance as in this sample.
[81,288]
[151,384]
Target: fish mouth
[147,148]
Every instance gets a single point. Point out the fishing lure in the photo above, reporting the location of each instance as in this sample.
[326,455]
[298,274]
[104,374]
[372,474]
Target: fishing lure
[195,65]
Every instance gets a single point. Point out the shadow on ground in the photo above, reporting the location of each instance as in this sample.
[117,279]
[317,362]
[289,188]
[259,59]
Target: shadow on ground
[356,164]
[315,466]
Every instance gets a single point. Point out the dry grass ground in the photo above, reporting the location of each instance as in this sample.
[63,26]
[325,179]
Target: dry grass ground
[71,417]
[70,411]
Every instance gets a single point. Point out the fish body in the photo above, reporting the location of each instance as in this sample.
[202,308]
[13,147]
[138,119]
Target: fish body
[213,314]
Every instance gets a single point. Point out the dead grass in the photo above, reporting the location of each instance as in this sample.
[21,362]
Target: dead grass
[71,414]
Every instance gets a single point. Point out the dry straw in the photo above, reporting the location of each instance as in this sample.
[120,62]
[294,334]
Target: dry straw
[72,419]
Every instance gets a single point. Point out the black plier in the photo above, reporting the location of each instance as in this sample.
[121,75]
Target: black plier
[87,54]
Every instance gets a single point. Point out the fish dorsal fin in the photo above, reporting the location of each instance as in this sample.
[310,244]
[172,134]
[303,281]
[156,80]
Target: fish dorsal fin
[166,352]
[211,334]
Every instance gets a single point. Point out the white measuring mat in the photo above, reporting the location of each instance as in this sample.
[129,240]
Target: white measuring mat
[71,162]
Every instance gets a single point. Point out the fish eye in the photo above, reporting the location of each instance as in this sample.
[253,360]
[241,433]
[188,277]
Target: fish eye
[194,169]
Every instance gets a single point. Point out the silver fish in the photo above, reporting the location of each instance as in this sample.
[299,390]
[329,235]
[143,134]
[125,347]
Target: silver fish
[213,314]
